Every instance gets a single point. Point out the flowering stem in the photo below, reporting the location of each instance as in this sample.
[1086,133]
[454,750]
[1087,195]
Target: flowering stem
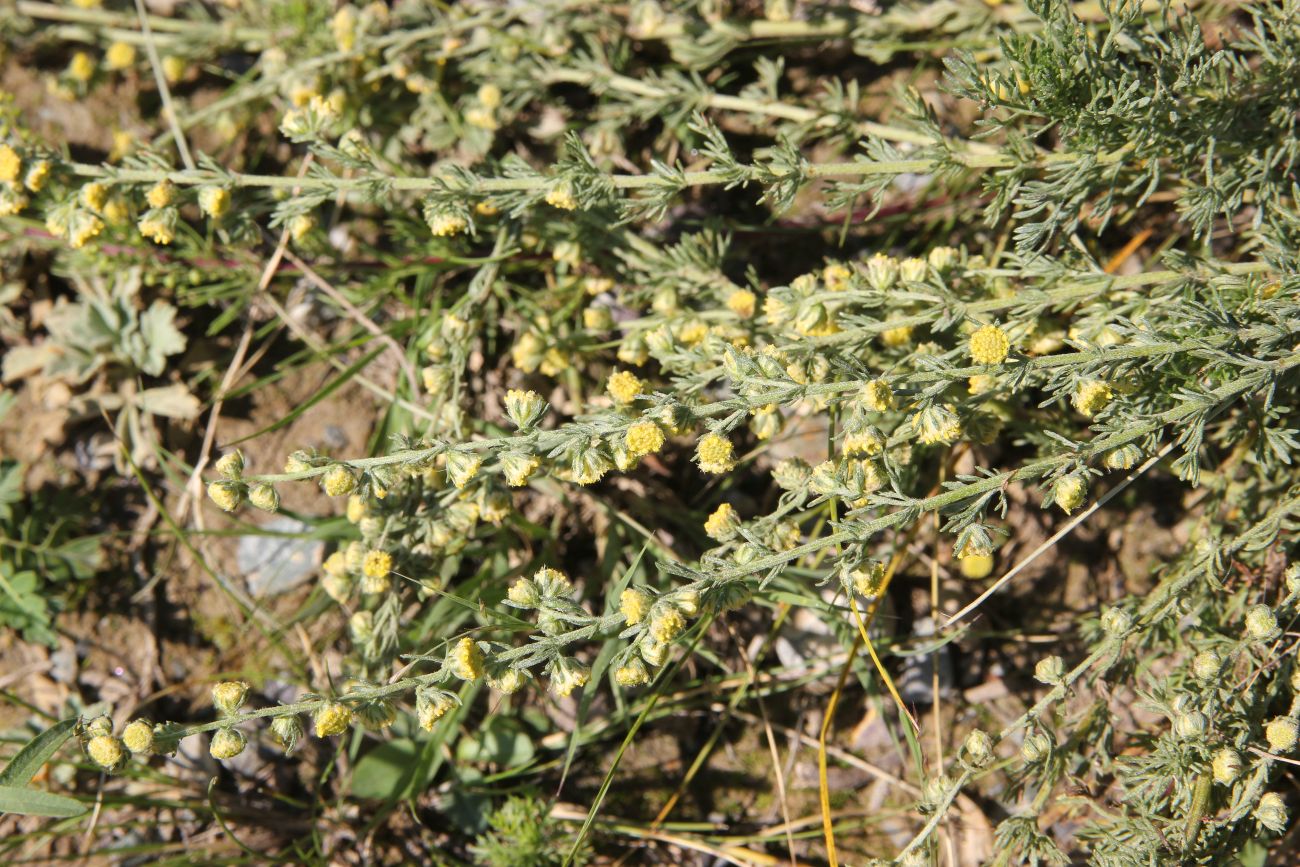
[1085,286]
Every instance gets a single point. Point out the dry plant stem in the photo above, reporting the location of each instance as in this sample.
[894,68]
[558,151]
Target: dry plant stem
[839,754]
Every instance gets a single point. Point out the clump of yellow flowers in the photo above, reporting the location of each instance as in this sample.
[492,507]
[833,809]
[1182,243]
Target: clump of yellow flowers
[585,344]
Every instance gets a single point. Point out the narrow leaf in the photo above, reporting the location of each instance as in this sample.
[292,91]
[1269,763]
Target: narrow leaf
[34,802]
[23,767]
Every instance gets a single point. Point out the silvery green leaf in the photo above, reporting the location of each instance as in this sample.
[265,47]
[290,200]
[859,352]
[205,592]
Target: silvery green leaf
[161,337]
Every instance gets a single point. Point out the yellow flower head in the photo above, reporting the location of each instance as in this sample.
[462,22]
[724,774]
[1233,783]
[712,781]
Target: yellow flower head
[554,362]
[332,719]
[527,352]
[173,68]
[766,422]
[568,676]
[912,270]
[106,751]
[742,303]
[643,438]
[37,175]
[138,736]
[632,673]
[900,335]
[561,196]
[1282,734]
[882,271]
[518,469]
[1271,812]
[157,227]
[633,605]
[93,195]
[864,442]
[507,680]
[429,708]
[937,424]
[989,345]
[869,580]
[666,623]
[465,660]
[877,396]
[338,480]
[723,523]
[11,165]
[692,332]
[524,593]
[119,55]
[776,311]
[82,227]
[714,454]
[356,509]
[161,194]
[225,494]
[481,117]
[524,408]
[942,259]
[335,564]
[301,226]
[12,200]
[82,67]
[445,225]
[1091,396]
[124,141]
[377,564]
[624,386]
[490,95]
[597,319]
[462,466]
[836,276]
[1070,492]
[1226,766]
[228,696]
[214,201]
[343,26]
[116,212]
[977,565]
